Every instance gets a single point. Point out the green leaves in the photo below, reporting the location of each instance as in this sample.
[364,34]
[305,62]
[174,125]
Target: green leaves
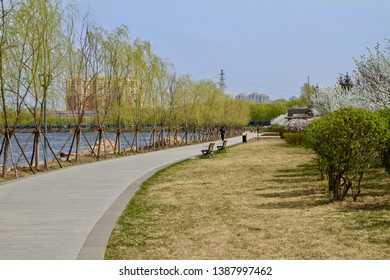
[346,141]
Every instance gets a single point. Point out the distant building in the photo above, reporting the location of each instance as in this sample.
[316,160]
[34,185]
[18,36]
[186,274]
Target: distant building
[242,96]
[77,92]
[255,97]
[258,97]
[97,93]
[299,113]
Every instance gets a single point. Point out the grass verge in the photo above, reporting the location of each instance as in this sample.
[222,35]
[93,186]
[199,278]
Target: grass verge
[261,200]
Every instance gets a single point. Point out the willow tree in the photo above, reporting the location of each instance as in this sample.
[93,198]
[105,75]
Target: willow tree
[149,74]
[240,113]
[186,103]
[141,66]
[157,86]
[213,106]
[41,22]
[102,86]
[82,72]
[18,83]
[117,70]
[236,112]
[199,91]
[177,86]
[7,12]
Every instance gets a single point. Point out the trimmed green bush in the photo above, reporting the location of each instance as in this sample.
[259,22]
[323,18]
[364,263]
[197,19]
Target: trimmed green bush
[293,138]
[347,142]
[385,151]
[280,129]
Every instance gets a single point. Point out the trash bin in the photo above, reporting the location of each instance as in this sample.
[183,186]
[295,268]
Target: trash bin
[244,137]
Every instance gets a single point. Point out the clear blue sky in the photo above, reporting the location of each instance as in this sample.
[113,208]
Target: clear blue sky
[269,46]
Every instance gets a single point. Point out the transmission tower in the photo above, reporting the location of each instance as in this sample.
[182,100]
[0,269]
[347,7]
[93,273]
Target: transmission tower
[221,82]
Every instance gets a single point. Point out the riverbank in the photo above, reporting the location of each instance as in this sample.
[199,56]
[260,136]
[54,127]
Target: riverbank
[60,144]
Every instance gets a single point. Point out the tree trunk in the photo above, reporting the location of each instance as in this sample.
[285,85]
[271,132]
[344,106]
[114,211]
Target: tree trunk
[99,141]
[334,180]
[7,144]
[154,138]
[386,159]
[77,144]
[37,140]
[118,135]
[136,138]
[347,185]
[118,141]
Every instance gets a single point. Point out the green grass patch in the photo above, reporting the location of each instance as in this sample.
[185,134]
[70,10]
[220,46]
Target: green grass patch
[261,200]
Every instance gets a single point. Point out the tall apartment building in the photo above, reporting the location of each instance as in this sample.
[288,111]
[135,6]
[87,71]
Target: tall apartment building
[255,97]
[97,93]
[242,96]
[78,91]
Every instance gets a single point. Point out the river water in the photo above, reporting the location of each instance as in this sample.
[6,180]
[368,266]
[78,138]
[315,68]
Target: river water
[57,141]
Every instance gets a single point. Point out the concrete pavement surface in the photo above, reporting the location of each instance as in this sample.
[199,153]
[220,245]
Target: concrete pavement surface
[69,213]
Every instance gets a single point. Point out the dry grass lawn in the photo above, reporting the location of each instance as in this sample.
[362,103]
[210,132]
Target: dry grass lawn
[260,200]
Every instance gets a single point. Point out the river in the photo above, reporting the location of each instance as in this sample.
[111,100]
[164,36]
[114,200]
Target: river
[58,139]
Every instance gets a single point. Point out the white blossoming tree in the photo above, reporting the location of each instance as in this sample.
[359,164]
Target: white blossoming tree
[330,99]
[373,77]
[280,120]
[370,89]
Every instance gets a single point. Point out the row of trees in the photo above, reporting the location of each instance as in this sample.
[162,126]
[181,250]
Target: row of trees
[45,52]
[265,113]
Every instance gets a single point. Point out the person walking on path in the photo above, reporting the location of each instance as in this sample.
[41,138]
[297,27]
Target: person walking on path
[222,130]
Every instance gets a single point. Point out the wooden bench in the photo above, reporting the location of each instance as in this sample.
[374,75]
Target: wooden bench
[222,147]
[207,151]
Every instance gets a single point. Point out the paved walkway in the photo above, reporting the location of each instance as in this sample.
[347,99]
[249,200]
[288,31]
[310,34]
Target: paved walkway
[69,214]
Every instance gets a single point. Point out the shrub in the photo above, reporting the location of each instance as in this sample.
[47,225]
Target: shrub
[346,142]
[384,114]
[293,138]
[280,129]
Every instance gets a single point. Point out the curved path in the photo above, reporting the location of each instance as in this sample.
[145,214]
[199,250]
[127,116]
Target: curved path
[69,213]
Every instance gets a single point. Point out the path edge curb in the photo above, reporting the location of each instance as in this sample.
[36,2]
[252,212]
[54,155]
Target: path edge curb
[95,245]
